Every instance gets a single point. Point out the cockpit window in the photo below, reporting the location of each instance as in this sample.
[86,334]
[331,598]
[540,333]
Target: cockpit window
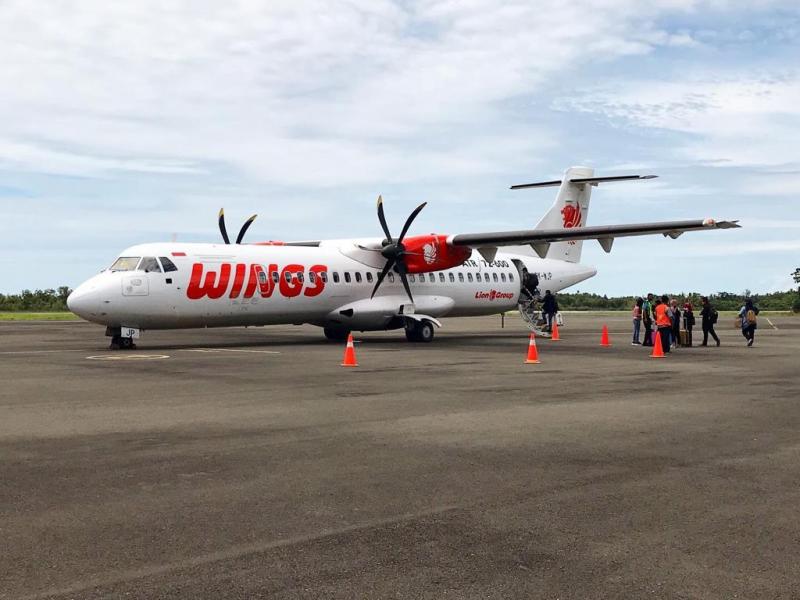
[168,265]
[149,264]
[125,263]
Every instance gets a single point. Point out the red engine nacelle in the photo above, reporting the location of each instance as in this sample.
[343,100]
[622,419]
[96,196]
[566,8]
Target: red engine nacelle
[432,253]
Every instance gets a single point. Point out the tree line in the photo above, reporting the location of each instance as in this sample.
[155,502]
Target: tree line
[789,300]
[54,300]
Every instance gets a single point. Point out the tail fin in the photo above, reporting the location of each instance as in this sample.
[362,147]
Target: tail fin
[570,209]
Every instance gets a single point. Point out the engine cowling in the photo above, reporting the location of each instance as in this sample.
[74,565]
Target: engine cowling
[432,253]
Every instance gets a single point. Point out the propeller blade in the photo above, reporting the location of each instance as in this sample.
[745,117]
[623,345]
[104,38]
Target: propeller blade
[382,219]
[244,229]
[401,270]
[386,268]
[410,220]
[222,228]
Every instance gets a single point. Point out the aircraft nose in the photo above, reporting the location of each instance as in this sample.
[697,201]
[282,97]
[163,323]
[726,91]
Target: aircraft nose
[84,301]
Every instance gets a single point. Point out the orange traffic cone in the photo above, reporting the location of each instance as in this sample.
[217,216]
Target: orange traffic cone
[658,350]
[604,341]
[533,353]
[554,335]
[349,353]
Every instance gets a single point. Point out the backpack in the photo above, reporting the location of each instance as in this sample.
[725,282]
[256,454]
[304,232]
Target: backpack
[750,316]
[714,316]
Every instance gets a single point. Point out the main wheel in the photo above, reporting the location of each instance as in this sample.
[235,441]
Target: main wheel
[417,331]
[336,334]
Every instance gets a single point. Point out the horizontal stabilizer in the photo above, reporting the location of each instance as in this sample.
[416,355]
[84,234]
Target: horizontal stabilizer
[582,180]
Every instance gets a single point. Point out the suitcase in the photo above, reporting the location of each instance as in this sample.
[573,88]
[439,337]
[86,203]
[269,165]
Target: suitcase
[684,337]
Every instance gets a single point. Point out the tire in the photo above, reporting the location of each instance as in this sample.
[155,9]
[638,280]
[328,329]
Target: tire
[425,332]
[336,334]
[420,331]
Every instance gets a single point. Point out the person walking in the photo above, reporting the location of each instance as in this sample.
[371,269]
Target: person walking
[675,317]
[688,322]
[663,322]
[709,317]
[549,308]
[748,317]
[637,320]
[647,320]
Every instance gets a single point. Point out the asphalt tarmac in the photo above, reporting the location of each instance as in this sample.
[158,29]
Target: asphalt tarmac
[246,463]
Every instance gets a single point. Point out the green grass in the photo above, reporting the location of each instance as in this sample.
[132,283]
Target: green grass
[38,316]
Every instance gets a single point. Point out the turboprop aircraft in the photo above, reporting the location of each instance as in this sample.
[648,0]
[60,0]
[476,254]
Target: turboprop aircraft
[404,282]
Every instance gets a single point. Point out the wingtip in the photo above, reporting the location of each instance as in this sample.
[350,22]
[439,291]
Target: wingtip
[221,212]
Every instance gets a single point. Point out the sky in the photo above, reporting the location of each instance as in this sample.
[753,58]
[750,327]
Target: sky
[131,122]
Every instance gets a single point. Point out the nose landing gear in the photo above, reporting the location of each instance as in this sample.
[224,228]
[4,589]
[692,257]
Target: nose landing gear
[117,341]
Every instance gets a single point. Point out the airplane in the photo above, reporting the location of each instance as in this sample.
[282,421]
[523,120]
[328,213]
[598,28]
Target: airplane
[343,285]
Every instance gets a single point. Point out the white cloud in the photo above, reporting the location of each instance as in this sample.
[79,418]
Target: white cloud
[365,91]
[730,119]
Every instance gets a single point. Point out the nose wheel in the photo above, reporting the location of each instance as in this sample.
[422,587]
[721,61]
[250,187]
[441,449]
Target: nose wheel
[117,341]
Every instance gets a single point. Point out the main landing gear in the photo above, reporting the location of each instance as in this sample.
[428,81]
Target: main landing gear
[336,334]
[117,341]
[419,331]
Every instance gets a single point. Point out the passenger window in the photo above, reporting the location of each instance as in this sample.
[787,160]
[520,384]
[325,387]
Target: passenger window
[358,276]
[167,264]
[391,277]
[324,276]
[452,277]
[431,277]
[441,277]
[486,277]
[287,276]
[494,277]
[511,277]
[299,276]
[125,263]
[336,277]
[503,277]
[275,277]
[369,277]
[461,278]
[469,277]
[412,279]
[312,278]
[347,276]
[149,264]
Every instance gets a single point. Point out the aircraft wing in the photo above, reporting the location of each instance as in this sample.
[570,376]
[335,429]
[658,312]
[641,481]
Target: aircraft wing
[540,239]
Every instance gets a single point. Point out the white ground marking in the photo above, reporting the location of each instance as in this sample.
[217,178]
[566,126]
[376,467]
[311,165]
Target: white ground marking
[212,350]
[771,324]
[37,351]
[128,357]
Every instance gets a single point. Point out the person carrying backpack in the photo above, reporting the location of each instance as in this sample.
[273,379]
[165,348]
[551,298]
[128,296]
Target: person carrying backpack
[709,315]
[664,323]
[748,317]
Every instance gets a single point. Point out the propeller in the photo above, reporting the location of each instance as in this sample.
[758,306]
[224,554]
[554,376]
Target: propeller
[393,250]
[224,231]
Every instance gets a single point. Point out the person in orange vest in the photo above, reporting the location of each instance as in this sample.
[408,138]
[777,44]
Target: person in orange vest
[664,322]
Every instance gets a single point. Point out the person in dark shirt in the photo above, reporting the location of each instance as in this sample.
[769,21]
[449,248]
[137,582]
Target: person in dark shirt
[647,320]
[709,318]
[688,322]
[549,308]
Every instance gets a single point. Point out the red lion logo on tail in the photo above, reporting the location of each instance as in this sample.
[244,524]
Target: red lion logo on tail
[572,215]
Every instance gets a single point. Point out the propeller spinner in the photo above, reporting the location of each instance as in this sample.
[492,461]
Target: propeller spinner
[394,251]
[224,231]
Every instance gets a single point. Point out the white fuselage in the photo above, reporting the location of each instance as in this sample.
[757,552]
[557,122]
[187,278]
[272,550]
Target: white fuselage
[217,285]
